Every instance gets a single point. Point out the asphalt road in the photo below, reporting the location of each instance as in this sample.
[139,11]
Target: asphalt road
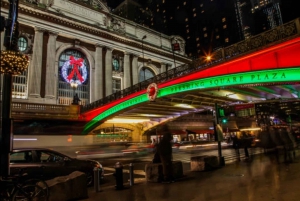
[108,156]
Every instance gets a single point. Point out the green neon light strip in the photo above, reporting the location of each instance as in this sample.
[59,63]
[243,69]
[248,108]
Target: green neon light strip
[266,76]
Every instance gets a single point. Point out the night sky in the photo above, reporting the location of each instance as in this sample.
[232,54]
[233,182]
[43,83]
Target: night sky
[113,3]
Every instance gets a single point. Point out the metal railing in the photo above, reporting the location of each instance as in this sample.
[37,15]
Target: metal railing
[271,37]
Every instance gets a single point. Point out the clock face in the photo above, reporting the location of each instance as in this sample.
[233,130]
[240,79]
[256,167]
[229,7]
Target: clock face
[116,64]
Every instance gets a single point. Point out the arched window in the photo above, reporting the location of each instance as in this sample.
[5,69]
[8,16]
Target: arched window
[145,74]
[73,71]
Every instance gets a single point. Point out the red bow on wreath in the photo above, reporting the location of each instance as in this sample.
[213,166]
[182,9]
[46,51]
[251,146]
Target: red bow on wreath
[76,64]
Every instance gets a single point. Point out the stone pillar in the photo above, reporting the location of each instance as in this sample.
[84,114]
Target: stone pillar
[97,86]
[127,75]
[108,71]
[35,68]
[163,67]
[135,69]
[51,79]
[2,40]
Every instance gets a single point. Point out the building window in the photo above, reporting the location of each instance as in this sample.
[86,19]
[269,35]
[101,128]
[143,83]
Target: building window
[226,40]
[145,74]
[116,84]
[217,37]
[204,29]
[223,19]
[19,86]
[22,44]
[205,35]
[224,26]
[73,79]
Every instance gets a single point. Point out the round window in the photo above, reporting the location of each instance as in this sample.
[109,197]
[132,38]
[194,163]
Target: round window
[22,44]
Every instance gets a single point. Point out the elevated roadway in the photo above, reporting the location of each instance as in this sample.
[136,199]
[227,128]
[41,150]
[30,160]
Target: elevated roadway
[259,69]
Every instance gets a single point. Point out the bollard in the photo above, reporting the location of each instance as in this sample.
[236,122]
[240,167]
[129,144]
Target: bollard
[131,175]
[119,176]
[96,179]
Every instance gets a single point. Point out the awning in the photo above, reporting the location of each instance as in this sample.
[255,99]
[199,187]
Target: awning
[203,131]
[178,132]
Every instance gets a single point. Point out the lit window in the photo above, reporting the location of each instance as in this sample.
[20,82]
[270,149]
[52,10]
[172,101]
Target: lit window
[177,7]
[202,11]
[65,92]
[224,26]
[157,10]
[197,39]
[217,37]
[186,19]
[205,35]
[204,29]
[163,1]
[164,11]
[22,44]
[223,19]
[171,18]
[201,5]
[198,44]
[194,9]
[195,14]
[184,3]
[187,25]
[226,40]
[187,31]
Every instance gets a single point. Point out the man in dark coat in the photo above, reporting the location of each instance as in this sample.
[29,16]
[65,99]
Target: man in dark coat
[164,149]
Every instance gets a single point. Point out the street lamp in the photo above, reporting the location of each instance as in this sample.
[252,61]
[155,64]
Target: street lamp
[12,63]
[144,69]
[76,99]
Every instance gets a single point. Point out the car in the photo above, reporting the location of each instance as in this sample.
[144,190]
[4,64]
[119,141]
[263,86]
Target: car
[47,163]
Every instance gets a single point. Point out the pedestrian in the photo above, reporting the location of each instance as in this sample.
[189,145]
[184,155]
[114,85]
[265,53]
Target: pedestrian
[164,150]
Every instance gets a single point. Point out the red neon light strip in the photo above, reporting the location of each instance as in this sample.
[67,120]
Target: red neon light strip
[241,64]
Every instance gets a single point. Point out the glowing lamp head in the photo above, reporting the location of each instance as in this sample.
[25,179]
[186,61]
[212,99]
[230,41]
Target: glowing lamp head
[208,58]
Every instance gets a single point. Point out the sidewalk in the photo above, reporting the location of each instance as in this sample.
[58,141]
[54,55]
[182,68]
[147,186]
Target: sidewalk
[260,179]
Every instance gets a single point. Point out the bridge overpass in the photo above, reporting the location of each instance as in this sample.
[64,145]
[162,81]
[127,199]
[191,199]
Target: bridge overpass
[263,68]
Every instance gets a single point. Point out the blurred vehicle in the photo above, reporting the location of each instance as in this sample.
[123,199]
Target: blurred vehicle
[182,144]
[47,163]
[138,149]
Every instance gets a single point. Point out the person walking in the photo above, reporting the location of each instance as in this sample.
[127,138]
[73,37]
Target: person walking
[164,149]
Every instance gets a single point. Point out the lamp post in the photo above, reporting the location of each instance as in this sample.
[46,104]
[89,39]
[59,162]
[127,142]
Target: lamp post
[12,63]
[74,86]
[144,69]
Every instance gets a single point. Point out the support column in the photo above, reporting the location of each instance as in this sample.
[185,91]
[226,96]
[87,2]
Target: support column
[108,71]
[135,69]
[51,79]
[2,41]
[98,76]
[35,68]
[163,67]
[126,70]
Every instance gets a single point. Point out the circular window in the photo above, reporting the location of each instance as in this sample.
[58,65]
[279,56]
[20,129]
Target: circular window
[22,44]
[116,64]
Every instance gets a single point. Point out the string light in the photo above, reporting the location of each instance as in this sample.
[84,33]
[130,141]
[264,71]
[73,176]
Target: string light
[13,62]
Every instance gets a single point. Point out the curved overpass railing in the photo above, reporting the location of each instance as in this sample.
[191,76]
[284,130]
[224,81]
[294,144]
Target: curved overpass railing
[271,37]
